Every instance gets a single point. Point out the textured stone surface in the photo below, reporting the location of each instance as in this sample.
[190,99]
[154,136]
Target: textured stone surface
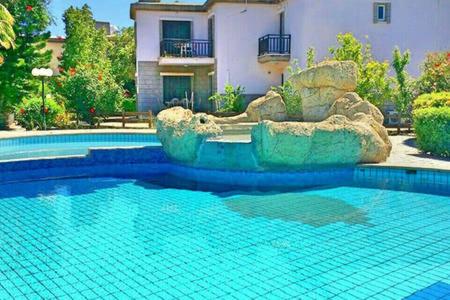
[341,75]
[351,104]
[321,85]
[336,141]
[269,107]
[182,133]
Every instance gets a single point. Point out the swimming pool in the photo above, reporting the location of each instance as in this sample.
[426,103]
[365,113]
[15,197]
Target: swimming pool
[168,237]
[69,144]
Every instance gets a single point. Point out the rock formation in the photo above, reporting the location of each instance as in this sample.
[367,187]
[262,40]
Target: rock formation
[182,133]
[269,107]
[349,129]
[321,85]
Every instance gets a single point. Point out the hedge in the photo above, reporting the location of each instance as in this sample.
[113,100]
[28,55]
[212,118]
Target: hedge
[432,100]
[29,113]
[432,126]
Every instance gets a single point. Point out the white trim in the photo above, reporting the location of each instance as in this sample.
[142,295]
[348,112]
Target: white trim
[175,19]
[162,74]
[211,73]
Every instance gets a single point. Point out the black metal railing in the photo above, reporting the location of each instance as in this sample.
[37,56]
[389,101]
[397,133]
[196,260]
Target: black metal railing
[275,44]
[186,48]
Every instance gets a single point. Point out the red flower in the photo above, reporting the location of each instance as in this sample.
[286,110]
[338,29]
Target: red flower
[448,56]
[60,69]
[29,8]
[72,71]
[100,77]
[92,110]
[46,110]
[59,84]
[126,94]
[22,111]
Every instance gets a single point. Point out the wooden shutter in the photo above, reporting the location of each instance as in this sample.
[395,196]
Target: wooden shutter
[388,12]
[375,12]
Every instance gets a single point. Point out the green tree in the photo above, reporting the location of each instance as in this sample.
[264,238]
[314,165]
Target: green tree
[403,95]
[86,80]
[373,84]
[16,82]
[435,75]
[123,59]
[7,35]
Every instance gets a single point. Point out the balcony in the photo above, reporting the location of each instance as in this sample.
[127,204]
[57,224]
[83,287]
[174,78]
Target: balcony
[274,48]
[175,52]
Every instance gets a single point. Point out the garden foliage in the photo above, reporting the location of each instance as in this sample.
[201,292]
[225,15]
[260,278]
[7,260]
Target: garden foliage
[231,101]
[435,73]
[432,123]
[31,21]
[29,113]
[374,84]
[291,96]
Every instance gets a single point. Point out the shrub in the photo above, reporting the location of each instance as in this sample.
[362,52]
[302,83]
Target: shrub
[291,96]
[432,126]
[90,93]
[129,104]
[432,100]
[435,73]
[231,101]
[29,113]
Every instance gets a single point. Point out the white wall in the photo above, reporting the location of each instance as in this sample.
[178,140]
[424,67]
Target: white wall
[148,30]
[419,25]
[236,45]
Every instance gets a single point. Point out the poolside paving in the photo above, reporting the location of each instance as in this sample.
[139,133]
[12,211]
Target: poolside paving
[404,151]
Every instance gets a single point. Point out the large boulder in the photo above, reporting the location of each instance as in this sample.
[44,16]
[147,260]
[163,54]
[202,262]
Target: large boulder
[182,133]
[350,104]
[336,141]
[269,107]
[322,84]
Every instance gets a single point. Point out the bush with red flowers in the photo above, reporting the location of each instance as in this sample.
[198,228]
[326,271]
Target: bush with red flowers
[29,113]
[435,73]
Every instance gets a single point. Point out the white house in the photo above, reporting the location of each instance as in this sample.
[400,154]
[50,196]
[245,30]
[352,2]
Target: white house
[199,48]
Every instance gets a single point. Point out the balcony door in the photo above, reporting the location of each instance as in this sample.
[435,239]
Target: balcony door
[176,87]
[176,30]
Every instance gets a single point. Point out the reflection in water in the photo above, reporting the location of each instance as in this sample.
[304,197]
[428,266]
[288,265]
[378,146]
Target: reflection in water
[313,210]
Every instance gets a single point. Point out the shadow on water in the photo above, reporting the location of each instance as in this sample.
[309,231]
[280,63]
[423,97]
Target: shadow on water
[313,210]
[287,204]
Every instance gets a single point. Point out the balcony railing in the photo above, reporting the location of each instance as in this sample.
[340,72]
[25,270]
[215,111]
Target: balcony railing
[186,48]
[275,44]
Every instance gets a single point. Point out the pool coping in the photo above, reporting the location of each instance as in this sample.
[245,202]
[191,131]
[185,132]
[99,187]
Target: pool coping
[35,133]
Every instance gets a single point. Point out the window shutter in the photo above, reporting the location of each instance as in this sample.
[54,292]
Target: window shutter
[388,13]
[375,13]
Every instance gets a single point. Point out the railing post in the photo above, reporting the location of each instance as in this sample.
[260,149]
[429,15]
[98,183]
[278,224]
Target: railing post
[123,119]
[150,119]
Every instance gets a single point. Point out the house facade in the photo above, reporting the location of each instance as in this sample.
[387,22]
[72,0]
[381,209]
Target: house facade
[186,50]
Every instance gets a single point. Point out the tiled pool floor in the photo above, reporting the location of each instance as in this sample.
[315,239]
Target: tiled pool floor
[104,237]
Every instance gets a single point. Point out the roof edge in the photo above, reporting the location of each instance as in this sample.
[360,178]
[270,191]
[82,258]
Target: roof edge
[186,7]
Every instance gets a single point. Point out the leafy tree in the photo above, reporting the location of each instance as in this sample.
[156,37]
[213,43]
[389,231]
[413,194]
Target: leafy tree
[435,73]
[123,59]
[7,35]
[403,95]
[86,80]
[373,84]
[16,82]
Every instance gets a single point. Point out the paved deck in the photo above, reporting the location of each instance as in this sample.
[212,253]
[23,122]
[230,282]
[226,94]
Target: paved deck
[404,151]
[405,154]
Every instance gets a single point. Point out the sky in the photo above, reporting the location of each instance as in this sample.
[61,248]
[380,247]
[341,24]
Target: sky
[117,12]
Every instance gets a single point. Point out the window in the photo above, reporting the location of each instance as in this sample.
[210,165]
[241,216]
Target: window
[176,30]
[382,12]
[176,87]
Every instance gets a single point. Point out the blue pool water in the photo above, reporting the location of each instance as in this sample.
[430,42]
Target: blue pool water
[67,145]
[126,238]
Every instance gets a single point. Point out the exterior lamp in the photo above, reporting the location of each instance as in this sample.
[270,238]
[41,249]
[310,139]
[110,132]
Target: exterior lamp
[42,74]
